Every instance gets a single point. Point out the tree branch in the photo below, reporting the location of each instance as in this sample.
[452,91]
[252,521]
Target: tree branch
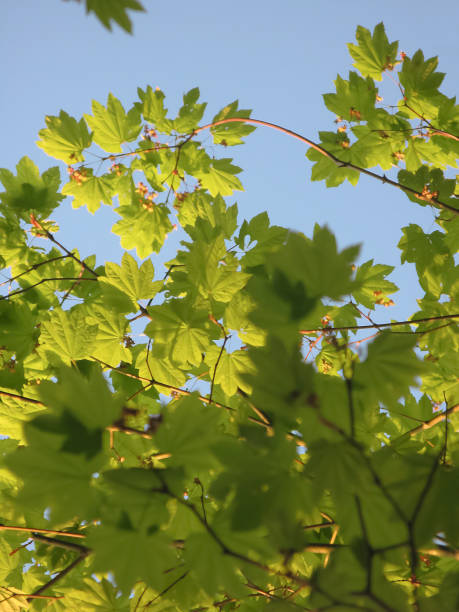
[44,280]
[67,534]
[340,163]
[59,576]
[21,397]
[49,235]
[438,418]
[32,268]
[330,329]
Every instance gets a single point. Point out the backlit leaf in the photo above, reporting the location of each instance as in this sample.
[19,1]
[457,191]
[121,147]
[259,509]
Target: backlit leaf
[112,126]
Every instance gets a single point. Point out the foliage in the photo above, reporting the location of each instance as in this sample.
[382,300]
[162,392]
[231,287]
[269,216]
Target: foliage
[216,464]
[107,11]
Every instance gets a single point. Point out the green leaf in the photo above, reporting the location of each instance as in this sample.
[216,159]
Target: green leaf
[87,398]
[65,138]
[229,368]
[190,114]
[267,238]
[214,434]
[131,555]
[135,282]
[354,99]
[421,81]
[18,331]
[91,191]
[188,432]
[185,330]
[141,229]
[57,480]
[153,110]
[212,568]
[112,329]
[433,259]
[389,369]
[373,53]
[231,133]
[280,380]
[317,263]
[325,168]
[14,413]
[67,335]
[131,490]
[373,288]
[28,192]
[107,11]
[112,126]
[431,182]
[209,273]
[219,177]
[200,205]
[100,596]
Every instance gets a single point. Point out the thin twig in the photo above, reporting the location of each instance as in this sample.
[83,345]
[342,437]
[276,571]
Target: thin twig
[168,588]
[59,576]
[47,531]
[157,383]
[72,286]
[338,162]
[48,235]
[32,268]
[44,280]
[330,329]
[21,397]
[428,424]
[222,348]
[60,543]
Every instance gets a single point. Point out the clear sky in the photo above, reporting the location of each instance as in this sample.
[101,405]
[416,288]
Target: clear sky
[275,57]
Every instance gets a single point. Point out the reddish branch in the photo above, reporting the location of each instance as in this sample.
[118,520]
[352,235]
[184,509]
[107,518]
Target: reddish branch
[339,162]
[67,534]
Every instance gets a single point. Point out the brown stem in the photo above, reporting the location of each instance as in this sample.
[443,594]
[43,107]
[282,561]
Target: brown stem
[377,325]
[47,531]
[430,423]
[129,431]
[157,383]
[441,551]
[32,268]
[216,366]
[21,397]
[61,246]
[432,128]
[44,280]
[59,576]
[340,163]
[60,543]
[319,525]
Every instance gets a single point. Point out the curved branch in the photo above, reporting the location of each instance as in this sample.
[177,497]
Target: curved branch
[340,163]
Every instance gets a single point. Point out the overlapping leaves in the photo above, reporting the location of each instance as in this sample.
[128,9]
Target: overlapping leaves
[215,436]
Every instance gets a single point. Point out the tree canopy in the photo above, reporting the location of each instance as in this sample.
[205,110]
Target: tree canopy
[247,453]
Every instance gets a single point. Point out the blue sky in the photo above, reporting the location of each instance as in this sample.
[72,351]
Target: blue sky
[276,58]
